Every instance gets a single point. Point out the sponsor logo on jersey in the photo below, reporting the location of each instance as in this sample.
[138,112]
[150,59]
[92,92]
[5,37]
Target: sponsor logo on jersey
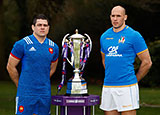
[21,109]
[113,51]
[51,50]
[121,40]
[32,49]
[109,38]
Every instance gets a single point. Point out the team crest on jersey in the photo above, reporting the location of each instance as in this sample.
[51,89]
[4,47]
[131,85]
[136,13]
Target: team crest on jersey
[121,40]
[51,50]
[21,109]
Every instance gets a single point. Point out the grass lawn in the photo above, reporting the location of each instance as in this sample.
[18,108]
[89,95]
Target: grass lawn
[147,97]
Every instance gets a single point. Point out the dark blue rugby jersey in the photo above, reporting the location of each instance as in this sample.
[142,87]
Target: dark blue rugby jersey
[36,59]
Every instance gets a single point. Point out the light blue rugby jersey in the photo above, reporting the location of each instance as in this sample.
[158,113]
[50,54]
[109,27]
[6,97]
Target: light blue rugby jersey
[120,50]
[36,59]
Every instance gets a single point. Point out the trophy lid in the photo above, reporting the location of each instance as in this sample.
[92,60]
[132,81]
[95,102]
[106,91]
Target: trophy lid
[76,35]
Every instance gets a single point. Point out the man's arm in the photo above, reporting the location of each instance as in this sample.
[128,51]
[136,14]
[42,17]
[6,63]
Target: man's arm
[146,64]
[53,67]
[12,70]
[103,59]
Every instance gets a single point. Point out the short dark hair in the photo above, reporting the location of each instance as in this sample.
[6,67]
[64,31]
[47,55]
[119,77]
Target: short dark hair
[39,16]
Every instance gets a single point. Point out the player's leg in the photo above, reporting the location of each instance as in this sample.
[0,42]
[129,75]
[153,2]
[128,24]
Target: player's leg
[114,112]
[132,112]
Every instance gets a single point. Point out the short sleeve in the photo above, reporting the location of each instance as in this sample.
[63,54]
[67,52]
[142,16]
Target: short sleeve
[56,53]
[17,50]
[139,43]
[101,45]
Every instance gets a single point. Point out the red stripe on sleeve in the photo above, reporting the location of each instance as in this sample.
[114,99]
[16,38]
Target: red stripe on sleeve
[15,56]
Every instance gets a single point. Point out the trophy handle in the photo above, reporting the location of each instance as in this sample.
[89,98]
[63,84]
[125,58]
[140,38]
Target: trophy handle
[70,62]
[90,41]
[63,41]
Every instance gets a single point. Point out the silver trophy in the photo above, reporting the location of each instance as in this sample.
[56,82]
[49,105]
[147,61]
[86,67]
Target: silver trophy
[80,47]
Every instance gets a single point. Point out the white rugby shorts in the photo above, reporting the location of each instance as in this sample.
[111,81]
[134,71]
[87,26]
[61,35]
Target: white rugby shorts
[120,98]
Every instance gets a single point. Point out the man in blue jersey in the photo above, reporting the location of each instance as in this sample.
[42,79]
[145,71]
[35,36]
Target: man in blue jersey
[120,45]
[39,58]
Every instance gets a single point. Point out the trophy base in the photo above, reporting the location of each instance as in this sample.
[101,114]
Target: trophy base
[76,88]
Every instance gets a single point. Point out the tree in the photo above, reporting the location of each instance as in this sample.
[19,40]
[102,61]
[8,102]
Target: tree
[2,47]
[22,8]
